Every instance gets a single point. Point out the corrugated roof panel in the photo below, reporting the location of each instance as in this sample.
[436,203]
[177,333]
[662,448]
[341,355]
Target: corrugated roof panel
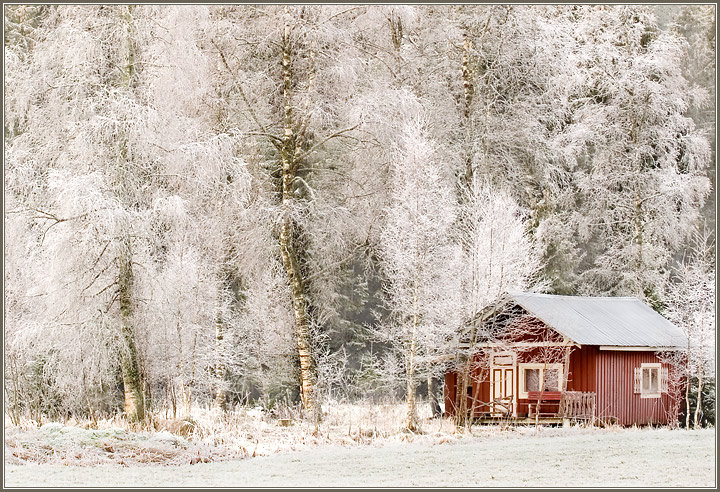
[615,321]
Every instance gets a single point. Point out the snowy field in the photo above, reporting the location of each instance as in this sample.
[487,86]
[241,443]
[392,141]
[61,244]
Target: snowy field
[521,457]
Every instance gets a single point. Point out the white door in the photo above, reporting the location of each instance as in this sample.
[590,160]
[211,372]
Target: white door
[502,385]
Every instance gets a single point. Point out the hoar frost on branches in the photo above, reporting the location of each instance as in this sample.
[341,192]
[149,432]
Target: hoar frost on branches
[203,183]
[418,259]
[498,255]
[691,305]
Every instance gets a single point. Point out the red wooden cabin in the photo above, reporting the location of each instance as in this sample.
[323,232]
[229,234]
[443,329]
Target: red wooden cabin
[565,357]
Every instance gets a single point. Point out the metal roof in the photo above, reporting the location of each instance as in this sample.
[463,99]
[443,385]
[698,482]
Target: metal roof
[610,321]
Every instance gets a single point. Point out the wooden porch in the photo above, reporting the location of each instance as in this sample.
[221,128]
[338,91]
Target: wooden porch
[544,408]
[563,404]
[495,420]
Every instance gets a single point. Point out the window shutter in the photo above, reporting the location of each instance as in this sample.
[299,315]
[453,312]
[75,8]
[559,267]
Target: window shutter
[638,379]
[664,379]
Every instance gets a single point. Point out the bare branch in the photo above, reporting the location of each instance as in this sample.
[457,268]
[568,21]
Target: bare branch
[340,133]
[106,288]
[244,97]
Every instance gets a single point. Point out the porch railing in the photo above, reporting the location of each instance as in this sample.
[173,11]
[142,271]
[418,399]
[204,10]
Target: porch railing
[577,404]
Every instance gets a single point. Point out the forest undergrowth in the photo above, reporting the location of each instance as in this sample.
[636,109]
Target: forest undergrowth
[206,435]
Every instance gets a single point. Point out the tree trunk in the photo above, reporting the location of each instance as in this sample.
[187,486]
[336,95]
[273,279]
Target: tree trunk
[132,381]
[461,416]
[220,369]
[687,389]
[133,387]
[468,92]
[698,404]
[288,240]
[466,183]
[411,419]
[432,398]
[301,313]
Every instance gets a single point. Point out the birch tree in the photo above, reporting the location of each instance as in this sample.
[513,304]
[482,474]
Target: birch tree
[691,305]
[499,255]
[290,73]
[418,258]
[85,136]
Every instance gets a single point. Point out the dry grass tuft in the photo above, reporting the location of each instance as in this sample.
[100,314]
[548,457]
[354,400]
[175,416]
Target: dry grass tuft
[209,435]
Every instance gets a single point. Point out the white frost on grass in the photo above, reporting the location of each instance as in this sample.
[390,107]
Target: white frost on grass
[573,457]
[70,445]
[206,435]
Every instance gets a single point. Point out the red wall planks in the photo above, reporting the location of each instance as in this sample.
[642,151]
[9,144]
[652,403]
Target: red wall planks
[449,393]
[615,396]
[582,370]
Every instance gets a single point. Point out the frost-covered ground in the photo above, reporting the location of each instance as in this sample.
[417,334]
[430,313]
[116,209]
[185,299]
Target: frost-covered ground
[487,457]
[209,436]
[55,443]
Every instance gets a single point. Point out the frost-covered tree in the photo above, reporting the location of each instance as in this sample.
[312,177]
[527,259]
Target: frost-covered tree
[498,255]
[691,305]
[641,164]
[291,71]
[418,258]
[84,138]
[509,56]
[513,86]
[697,23]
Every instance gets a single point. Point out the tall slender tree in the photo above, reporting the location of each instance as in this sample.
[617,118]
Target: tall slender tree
[419,258]
[86,137]
[291,106]
[691,305]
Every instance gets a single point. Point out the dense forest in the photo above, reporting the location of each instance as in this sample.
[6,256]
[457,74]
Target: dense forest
[288,205]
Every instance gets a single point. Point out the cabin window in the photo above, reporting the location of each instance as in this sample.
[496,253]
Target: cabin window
[532,379]
[540,377]
[551,381]
[650,380]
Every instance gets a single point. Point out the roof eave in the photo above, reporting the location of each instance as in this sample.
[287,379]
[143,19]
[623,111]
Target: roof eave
[638,348]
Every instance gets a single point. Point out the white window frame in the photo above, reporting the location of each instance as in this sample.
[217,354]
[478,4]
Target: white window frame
[523,393]
[650,366]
